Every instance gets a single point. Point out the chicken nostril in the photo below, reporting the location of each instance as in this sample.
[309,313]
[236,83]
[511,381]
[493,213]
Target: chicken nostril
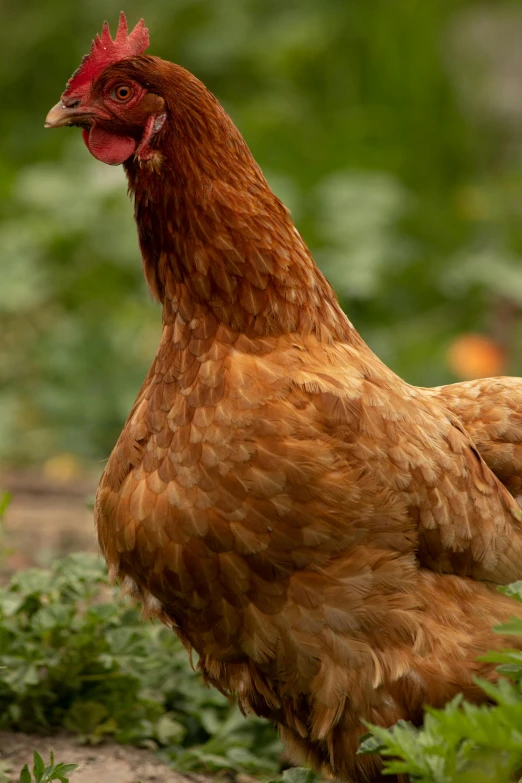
[72,104]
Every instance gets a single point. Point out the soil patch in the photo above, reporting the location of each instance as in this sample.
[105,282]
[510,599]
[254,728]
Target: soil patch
[107,763]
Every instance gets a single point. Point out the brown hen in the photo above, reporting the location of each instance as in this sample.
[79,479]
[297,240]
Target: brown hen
[325,536]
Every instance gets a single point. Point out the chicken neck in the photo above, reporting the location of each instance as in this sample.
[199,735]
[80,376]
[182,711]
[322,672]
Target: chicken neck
[212,232]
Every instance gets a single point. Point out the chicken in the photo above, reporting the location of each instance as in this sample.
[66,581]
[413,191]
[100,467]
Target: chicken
[325,536]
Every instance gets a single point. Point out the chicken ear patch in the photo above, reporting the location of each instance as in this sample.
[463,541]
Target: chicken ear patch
[108,147]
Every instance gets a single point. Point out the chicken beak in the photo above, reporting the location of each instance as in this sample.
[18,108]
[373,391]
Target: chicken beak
[62,115]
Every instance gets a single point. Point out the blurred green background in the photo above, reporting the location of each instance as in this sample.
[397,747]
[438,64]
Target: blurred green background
[391,128]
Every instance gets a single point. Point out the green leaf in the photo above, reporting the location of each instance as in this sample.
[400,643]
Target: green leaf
[65,769]
[299,775]
[38,767]
[5,500]
[169,730]
[370,744]
[514,590]
[60,772]
[512,627]
[25,775]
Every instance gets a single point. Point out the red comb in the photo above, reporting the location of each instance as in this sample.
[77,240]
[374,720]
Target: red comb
[105,51]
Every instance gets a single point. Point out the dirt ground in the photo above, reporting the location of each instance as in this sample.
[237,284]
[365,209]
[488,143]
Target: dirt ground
[47,518]
[107,763]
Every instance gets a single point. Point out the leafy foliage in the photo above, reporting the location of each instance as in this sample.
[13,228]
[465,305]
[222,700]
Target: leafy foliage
[72,656]
[296,775]
[46,774]
[464,742]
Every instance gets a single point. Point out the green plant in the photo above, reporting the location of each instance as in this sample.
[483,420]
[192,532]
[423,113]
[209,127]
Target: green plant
[46,774]
[73,655]
[5,499]
[296,775]
[463,742]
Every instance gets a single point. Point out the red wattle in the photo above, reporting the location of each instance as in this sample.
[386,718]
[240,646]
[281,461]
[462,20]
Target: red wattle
[108,147]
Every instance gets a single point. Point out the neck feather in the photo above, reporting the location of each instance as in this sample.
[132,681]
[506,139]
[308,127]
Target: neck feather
[211,231]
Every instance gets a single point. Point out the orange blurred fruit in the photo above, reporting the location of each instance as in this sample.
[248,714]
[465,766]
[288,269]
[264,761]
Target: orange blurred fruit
[476,356]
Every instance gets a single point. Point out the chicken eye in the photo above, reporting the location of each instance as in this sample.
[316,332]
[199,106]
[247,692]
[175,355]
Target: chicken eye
[122,92]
